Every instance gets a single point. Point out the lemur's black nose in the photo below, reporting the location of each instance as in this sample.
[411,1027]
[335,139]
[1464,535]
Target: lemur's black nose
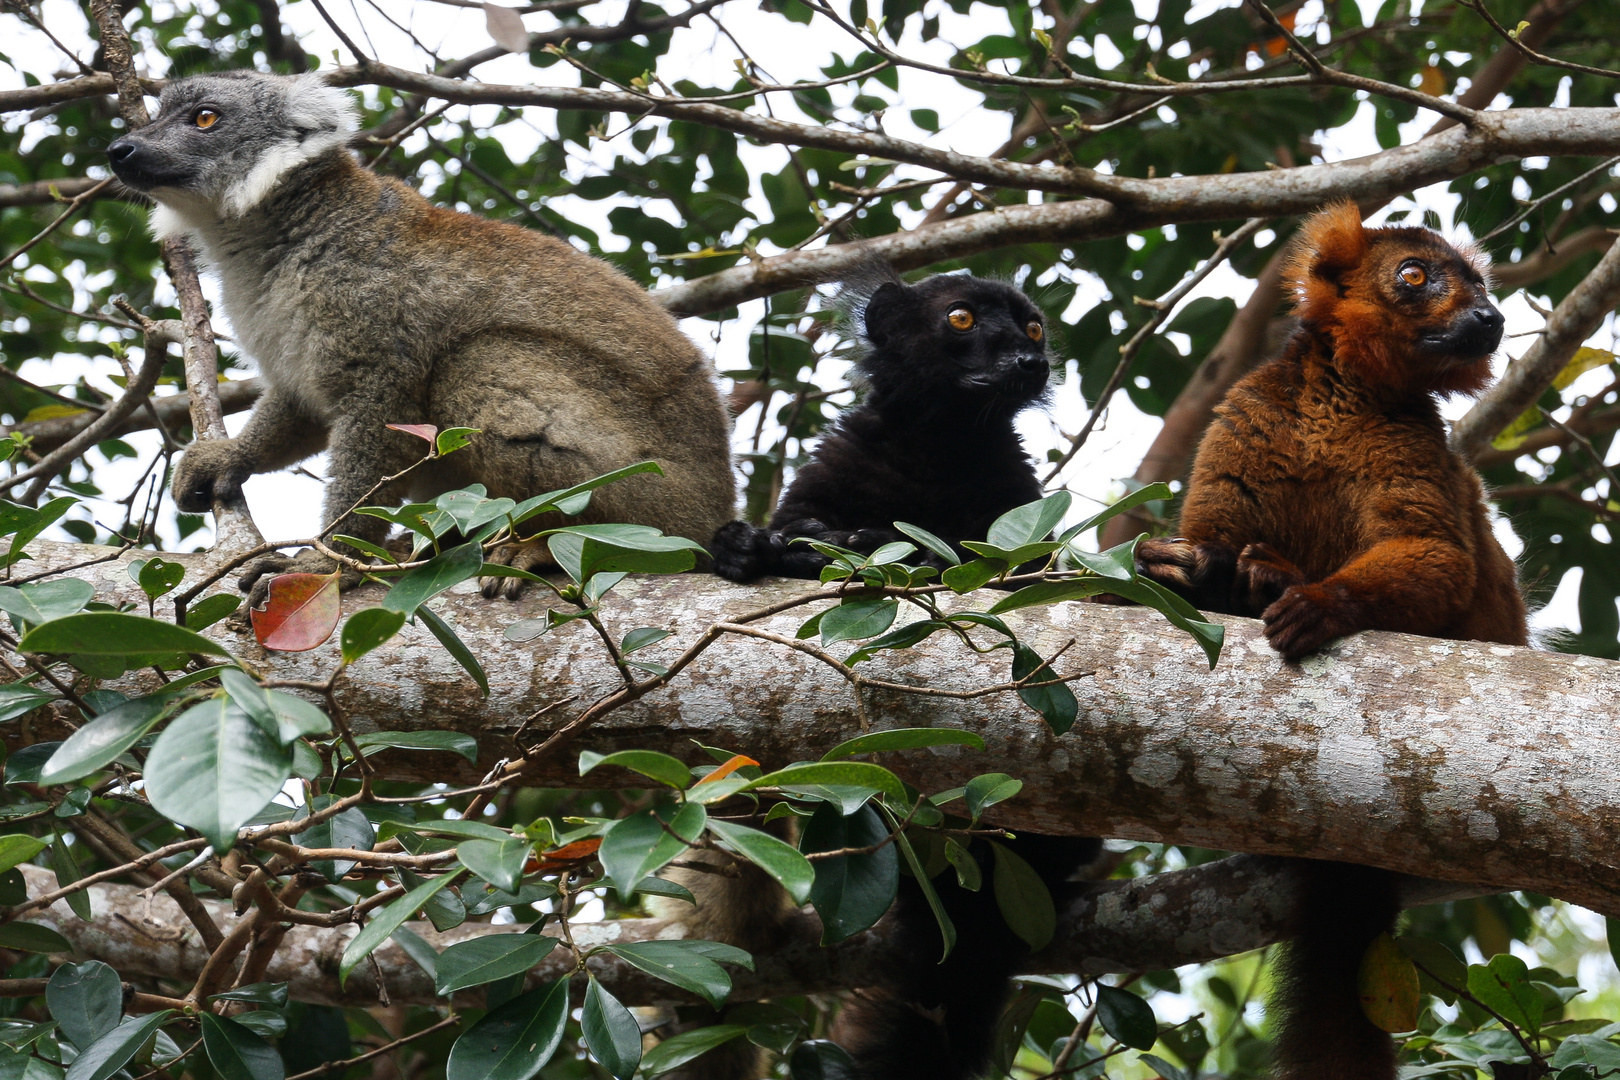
[1488,317]
[1032,363]
[121,150]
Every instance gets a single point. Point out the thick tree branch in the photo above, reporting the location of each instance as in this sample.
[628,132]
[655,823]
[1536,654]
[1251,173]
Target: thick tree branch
[1572,322]
[1147,924]
[1469,762]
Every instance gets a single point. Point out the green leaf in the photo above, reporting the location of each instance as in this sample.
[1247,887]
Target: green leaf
[34,938]
[851,892]
[42,601]
[19,699]
[903,739]
[649,763]
[25,765]
[1601,1054]
[1440,972]
[639,845]
[1055,702]
[467,830]
[968,874]
[433,577]
[854,619]
[553,500]
[111,633]
[1127,1018]
[677,1050]
[782,861]
[641,637]
[444,909]
[611,1032]
[1118,563]
[273,995]
[856,774]
[514,1041]
[947,929]
[281,715]
[983,792]
[385,922]
[348,829]
[213,768]
[1025,902]
[1031,523]
[972,575]
[930,541]
[453,741]
[156,577]
[683,964]
[367,629]
[902,638]
[455,646]
[86,999]
[585,550]
[67,872]
[16,849]
[104,1057]
[1181,614]
[452,439]
[1148,493]
[376,551]
[1050,592]
[97,743]
[237,1053]
[821,1059]
[210,609]
[485,959]
[498,862]
[31,524]
[1504,985]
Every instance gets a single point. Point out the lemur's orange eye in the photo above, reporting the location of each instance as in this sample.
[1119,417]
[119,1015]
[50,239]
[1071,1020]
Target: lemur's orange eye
[1033,329]
[205,118]
[960,318]
[1413,275]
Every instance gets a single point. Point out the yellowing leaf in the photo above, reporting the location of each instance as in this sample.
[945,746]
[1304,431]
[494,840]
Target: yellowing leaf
[52,412]
[1584,360]
[1512,436]
[1388,986]
[1432,81]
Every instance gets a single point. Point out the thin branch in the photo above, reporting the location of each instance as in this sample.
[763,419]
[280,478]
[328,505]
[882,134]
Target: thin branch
[337,1066]
[1513,39]
[73,207]
[1571,323]
[1532,207]
[1163,308]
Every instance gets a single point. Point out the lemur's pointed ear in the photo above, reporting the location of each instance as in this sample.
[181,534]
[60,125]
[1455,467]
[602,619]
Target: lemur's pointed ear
[885,308]
[1330,243]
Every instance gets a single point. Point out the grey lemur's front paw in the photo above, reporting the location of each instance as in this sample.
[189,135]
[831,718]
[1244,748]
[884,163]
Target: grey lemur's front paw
[208,471]
[255,581]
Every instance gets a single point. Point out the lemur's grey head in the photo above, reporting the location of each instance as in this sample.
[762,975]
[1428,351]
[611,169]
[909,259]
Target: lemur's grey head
[221,143]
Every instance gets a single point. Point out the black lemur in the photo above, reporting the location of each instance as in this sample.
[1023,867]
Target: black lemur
[950,362]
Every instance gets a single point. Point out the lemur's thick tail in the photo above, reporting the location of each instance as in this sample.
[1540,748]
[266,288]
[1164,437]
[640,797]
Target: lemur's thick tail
[934,1021]
[1320,1031]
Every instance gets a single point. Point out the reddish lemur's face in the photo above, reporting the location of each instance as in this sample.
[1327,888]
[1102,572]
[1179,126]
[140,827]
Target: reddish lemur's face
[1437,292]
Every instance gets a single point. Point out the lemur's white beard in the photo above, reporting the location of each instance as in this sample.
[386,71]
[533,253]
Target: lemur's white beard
[273,164]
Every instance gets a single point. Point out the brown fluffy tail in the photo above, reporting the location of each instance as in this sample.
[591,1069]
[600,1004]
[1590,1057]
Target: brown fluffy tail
[1319,1029]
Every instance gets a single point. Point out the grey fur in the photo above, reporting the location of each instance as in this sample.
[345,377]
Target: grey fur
[366,305]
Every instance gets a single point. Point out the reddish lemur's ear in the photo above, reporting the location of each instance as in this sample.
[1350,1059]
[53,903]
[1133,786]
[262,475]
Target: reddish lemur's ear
[1329,244]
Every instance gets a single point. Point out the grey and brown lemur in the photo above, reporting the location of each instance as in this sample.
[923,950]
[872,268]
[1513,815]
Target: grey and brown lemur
[366,305]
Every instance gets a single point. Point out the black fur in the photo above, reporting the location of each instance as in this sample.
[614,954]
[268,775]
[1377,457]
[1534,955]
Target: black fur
[932,444]
[1320,1030]
[936,1021]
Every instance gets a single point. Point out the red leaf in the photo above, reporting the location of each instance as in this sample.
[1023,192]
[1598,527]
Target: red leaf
[562,857]
[421,431]
[732,765]
[302,612]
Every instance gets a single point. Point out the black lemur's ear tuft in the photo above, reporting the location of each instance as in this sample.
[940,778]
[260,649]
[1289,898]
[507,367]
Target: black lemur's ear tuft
[885,311]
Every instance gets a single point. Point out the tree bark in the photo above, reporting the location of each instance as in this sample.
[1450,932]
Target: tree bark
[1477,763]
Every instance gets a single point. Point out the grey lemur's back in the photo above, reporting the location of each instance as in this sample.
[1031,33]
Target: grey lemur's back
[367,305]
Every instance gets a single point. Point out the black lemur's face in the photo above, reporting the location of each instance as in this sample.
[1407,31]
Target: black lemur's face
[959,337]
